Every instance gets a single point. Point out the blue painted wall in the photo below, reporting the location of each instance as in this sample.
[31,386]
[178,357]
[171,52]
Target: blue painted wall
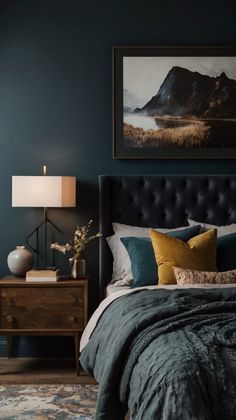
[56,96]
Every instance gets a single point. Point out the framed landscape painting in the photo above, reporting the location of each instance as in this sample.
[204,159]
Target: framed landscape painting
[174,102]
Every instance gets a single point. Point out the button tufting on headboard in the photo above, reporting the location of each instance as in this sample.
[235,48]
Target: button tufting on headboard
[163,201]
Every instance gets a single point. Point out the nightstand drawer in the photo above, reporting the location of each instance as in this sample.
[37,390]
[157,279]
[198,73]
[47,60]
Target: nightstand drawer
[46,308]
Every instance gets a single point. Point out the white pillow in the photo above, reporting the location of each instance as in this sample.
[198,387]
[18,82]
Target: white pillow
[221,230]
[121,260]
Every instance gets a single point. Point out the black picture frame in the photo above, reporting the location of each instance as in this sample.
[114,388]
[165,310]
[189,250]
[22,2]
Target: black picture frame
[207,56]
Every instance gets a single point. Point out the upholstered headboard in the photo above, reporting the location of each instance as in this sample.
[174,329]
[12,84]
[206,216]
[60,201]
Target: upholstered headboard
[161,201]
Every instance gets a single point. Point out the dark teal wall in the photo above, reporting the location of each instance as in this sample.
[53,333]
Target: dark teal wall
[56,95]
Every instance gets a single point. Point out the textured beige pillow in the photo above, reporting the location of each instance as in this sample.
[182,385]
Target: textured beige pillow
[187,276]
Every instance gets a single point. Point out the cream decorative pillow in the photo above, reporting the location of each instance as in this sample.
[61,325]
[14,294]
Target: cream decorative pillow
[187,276]
[221,230]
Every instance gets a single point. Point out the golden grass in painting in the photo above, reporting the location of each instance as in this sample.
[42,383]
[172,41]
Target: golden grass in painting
[190,135]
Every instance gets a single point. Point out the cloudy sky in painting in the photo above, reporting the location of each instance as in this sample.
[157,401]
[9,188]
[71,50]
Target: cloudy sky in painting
[143,76]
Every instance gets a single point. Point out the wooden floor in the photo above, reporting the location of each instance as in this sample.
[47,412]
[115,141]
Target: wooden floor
[41,371]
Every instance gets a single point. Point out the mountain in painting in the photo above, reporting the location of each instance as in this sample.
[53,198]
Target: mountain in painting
[184,92]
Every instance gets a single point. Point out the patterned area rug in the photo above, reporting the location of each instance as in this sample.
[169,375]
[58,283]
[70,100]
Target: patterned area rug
[48,402]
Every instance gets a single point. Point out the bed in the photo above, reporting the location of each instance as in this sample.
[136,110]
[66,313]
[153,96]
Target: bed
[170,352]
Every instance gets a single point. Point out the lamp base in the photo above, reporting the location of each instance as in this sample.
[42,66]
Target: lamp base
[43,225]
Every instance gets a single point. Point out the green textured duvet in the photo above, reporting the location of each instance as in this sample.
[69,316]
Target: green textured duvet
[167,355]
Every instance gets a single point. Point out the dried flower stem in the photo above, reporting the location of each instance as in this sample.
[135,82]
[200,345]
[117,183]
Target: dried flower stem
[79,241]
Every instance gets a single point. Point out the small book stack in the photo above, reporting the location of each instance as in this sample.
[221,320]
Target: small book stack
[42,276]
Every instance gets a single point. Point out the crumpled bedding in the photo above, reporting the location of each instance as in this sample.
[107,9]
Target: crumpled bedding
[168,355]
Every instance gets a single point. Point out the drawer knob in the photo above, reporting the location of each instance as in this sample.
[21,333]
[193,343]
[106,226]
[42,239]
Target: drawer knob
[9,318]
[72,318]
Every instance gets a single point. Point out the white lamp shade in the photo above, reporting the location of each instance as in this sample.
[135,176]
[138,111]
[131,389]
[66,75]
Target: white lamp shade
[43,191]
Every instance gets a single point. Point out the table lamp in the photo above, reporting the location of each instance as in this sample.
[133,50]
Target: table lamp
[43,191]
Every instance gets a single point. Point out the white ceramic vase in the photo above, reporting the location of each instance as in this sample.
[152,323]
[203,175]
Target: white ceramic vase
[20,261]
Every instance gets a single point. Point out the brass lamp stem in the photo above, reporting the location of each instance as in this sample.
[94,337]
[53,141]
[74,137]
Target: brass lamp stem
[44,169]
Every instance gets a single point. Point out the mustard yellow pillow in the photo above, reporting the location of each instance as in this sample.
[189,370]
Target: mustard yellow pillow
[199,253]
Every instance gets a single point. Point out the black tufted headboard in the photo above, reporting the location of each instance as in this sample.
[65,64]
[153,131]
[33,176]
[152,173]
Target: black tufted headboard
[161,201]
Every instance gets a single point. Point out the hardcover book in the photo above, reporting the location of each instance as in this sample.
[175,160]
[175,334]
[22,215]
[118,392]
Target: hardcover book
[42,276]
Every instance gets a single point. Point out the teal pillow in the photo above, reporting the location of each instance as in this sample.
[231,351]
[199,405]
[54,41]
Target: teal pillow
[143,262]
[226,252]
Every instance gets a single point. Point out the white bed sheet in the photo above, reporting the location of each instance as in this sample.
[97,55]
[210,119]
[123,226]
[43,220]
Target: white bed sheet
[115,295]
[111,288]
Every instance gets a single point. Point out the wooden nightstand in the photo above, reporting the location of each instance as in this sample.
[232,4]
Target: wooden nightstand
[59,308]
